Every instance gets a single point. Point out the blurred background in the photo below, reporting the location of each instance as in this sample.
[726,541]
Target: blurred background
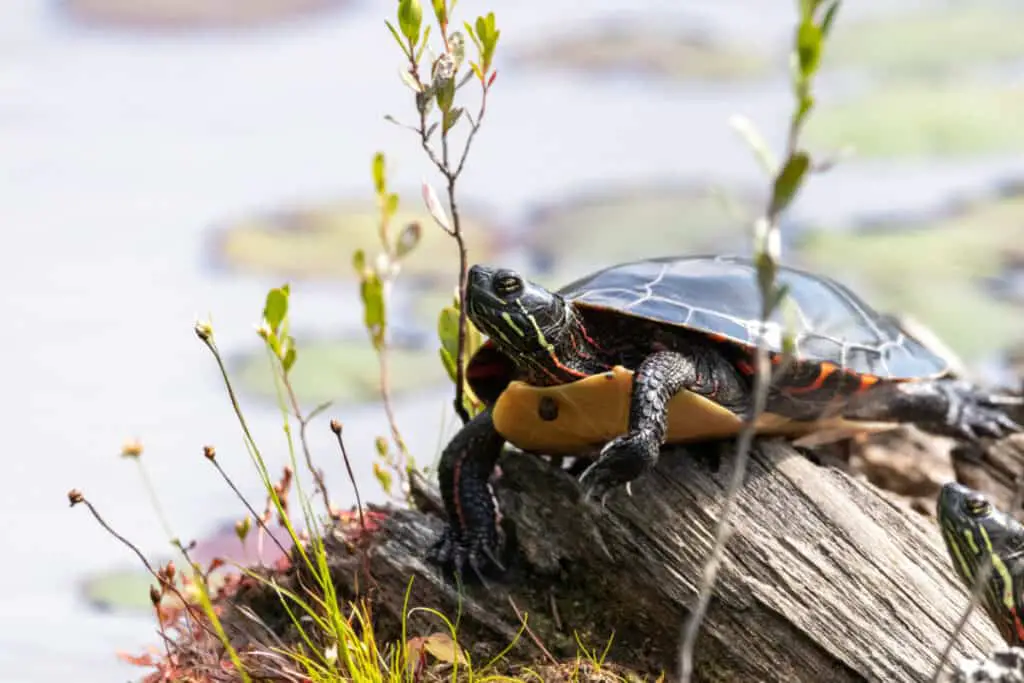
[168,160]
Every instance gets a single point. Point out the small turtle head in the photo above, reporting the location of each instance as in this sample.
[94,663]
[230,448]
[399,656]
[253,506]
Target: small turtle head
[977,534]
[520,317]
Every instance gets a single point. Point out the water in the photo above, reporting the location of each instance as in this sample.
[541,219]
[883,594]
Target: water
[118,152]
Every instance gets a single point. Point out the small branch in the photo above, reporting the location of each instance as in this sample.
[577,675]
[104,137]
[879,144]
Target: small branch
[385,395]
[75,497]
[977,588]
[211,456]
[336,428]
[318,475]
[452,176]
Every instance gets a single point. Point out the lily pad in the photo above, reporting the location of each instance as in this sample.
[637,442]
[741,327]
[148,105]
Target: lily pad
[319,241]
[941,42]
[600,228]
[937,272]
[644,47]
[119,590]
[341,370]
[918,120]
[188,14]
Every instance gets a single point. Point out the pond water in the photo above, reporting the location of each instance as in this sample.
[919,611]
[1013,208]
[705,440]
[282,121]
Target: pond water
[120,151]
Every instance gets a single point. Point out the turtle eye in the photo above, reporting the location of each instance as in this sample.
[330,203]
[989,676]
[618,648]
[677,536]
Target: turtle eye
[507,283]
[976,504]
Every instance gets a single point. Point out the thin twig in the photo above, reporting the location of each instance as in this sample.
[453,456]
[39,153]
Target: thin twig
[76,497]
[529,632]
[723,530]
[336,428]
[451,176]
[318,474]
[977,587]
[248,506]
[385,395]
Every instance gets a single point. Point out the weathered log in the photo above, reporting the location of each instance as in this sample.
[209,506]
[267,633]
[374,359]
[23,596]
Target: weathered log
[824,578]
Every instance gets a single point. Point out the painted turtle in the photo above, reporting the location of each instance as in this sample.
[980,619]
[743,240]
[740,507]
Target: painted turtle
[677,331]
[977,533]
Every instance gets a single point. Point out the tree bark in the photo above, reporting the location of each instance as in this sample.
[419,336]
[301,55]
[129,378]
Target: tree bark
[824,579]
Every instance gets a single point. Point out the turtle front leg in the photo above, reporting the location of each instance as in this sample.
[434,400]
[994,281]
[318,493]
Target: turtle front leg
[658,378]
[466,465]
[946,407]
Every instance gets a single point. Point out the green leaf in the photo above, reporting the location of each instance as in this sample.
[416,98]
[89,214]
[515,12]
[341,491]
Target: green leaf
[423,44]
[379,179]
[488,34]
[441,11]
[830,17]
[808,48]
[765,276]
[448,361]
[448,330]
[391,205]
[472,34]
[451,117]
[749,133]
[276,307]
[410,17]
[408,239]
[398,38]
[434,207]
[383,477]
[359,261]
[788,182]
[445,94]
[372,292]
[289,358]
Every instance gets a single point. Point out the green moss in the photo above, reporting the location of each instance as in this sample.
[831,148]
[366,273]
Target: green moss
[934,272]
[639,222]
[645,48]
[318,241]
[922,120]
[343,371]
[940,42]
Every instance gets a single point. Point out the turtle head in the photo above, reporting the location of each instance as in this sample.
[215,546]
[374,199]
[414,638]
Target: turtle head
[520,317]
[976,534]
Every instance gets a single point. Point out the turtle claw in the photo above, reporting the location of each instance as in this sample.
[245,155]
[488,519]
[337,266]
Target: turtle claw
[453,550]
[621,461]
[981,415]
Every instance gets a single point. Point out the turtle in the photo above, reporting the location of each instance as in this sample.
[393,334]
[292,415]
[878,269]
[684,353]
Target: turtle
[976,533]
[679,332]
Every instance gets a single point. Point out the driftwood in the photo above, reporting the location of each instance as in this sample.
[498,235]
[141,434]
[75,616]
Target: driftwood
[824,579]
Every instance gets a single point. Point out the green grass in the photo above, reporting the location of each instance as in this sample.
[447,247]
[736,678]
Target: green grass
[933,272]
[922,120]
[318,241]
[343,371]
[943,42]
[647,48]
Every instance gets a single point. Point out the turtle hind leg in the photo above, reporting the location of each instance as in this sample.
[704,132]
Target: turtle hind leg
[946,407]
[656,380]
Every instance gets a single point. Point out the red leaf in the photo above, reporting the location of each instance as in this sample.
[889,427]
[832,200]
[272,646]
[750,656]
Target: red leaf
[490,81]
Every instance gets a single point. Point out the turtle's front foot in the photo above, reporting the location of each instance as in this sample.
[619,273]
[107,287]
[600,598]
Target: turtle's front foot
[974,414]
[622,460]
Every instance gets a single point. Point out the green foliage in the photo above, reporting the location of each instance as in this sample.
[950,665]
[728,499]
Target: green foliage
[448,333]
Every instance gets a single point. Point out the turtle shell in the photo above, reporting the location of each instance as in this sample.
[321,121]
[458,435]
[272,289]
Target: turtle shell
[719,296]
